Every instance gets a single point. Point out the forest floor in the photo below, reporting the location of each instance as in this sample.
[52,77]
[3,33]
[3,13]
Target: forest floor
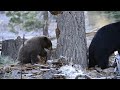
[56,69]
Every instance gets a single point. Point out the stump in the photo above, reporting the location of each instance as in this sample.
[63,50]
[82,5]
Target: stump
[10,47]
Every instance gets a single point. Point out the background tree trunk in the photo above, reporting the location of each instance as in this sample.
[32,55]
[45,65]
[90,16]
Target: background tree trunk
[72,41]
[10,47]
[45,28]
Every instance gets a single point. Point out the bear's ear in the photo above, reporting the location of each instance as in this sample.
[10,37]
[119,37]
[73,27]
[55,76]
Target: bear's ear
[45,38]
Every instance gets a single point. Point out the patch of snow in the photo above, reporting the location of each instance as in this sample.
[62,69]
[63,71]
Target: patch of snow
[49,61]
[70,71]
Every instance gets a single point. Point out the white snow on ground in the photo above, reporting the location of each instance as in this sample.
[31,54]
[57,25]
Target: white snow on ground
[70,72]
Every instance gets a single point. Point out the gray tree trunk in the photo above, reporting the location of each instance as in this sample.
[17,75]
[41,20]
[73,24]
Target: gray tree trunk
[72,39]
[45,28]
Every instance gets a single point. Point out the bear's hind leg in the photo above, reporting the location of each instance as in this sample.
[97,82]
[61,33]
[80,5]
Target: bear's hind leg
[34,58]
[103,62]
[92,62]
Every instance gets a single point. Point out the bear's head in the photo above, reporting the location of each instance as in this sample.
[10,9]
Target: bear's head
[47,43]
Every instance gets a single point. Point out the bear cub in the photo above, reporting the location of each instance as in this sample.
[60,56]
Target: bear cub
[28,53]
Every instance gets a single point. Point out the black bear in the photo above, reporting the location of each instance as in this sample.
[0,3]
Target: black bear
[28,53]
[103,44]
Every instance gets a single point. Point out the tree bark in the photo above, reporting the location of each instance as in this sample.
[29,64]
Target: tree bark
[45,28]
[72,41]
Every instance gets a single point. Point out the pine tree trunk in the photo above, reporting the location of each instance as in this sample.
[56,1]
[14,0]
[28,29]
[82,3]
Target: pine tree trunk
[45,28]
[72,40]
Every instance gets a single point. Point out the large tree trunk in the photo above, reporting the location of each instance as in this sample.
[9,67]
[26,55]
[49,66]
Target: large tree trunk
[45,28]
[72,40]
